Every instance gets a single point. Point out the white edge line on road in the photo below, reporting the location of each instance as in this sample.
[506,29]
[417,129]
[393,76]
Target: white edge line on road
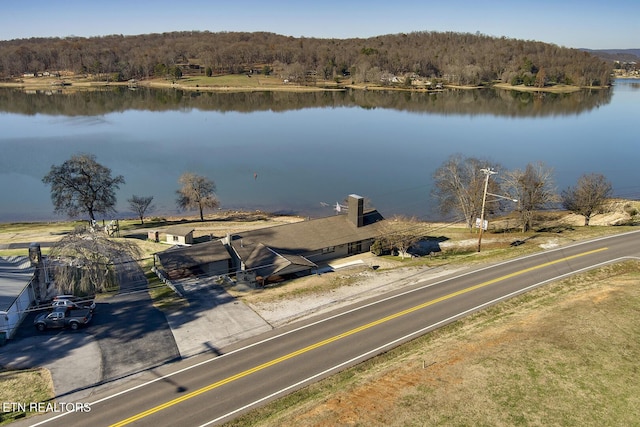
[204,362]
[402,339]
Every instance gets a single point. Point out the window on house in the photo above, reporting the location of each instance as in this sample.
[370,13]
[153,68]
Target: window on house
[176,239]
[354,248]
[329,250]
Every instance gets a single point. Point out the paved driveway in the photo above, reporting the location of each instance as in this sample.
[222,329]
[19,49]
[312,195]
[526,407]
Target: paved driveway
[126,335]
[132,334]
[213,319]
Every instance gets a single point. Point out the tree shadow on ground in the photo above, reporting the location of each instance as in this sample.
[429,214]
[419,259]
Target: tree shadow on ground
[428,245]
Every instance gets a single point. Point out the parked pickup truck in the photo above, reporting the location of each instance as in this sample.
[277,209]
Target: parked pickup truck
[61,317]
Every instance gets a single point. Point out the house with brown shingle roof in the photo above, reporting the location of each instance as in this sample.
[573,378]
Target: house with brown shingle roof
[274,252]
[211,258]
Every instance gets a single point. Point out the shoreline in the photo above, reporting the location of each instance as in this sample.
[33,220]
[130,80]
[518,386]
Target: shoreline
[267,85]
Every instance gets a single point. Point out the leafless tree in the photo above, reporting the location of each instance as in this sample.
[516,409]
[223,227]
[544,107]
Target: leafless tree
[533,188]
[141,205]
[84,262]
[588,197]
[403,234]
[399,234]
[196,192]
[459,187]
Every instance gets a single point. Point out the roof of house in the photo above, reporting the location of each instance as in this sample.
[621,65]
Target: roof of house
[267,262]
[281,249]
[302,238]
[179,230]
[190,256]
[15,274]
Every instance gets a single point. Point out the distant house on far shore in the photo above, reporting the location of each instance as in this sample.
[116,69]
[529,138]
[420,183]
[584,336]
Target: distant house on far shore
[179,235]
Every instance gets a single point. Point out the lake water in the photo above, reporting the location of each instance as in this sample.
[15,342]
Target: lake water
[292,152]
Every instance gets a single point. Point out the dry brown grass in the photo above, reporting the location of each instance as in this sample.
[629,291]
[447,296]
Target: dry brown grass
[305,286]
[565,354]
[23,387]
[28,232]
[224,83]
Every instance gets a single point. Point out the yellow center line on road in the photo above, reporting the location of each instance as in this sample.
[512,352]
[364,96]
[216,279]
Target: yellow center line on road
[339,337]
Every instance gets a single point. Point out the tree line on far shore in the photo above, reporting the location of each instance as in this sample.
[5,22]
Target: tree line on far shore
[450,57]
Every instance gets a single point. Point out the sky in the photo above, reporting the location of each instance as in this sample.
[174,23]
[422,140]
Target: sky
[570,23]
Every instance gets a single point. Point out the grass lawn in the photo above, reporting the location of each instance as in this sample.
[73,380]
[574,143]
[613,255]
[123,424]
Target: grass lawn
[565,354]
[23,387]
[241,82]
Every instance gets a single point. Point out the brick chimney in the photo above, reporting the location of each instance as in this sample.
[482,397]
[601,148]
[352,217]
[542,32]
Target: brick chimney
[356,210]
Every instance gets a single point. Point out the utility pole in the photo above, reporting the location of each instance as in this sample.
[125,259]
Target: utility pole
[488,172]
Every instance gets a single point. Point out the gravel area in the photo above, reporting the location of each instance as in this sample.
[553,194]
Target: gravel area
[364,275]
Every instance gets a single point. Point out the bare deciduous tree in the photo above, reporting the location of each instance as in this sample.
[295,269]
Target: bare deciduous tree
[84,262]
[399,234]
[459,186]
[403,234]
[141,205]
[534,188]
[197,192]
[588,197]
[82,185]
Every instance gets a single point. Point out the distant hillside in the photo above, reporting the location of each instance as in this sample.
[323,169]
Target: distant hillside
[456,58]
[621,55]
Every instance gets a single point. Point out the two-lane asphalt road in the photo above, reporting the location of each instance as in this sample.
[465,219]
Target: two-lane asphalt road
[208,390]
